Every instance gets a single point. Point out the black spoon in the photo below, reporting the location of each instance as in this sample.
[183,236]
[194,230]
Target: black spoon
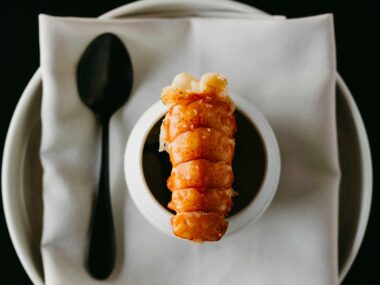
[104,78]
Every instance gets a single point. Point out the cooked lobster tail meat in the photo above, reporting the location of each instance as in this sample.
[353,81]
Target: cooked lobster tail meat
[198,133]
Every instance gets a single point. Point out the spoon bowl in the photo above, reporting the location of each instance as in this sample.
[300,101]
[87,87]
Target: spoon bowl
[105,75]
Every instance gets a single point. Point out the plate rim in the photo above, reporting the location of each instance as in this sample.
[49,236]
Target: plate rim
[366,172]
[139,6]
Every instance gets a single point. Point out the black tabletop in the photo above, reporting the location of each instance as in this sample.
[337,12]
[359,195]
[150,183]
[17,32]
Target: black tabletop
[357,37]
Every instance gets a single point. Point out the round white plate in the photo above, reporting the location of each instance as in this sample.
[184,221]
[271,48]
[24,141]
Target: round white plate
[21,171]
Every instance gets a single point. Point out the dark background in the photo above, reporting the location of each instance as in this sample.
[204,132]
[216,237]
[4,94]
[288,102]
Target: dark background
[357,36]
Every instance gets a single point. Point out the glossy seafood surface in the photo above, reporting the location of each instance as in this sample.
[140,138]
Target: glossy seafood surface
[217,200]
[200,173]
[198,133]
[206,143]
[199,226]
[198,114]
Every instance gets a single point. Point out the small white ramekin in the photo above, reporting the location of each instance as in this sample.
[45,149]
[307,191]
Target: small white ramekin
[159,216]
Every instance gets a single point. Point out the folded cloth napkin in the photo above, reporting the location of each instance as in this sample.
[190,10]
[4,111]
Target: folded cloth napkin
[285,67]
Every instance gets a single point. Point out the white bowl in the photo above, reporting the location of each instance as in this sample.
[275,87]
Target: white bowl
[158,215]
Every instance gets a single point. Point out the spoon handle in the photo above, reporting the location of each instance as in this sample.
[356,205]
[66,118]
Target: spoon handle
[102,246]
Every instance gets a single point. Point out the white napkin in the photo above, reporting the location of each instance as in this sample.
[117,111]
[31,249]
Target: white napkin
[285,67]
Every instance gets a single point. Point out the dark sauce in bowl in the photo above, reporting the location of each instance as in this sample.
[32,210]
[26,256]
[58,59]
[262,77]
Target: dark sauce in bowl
[248,166]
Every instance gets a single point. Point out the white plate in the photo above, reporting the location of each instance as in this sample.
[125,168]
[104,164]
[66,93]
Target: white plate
[21,171]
